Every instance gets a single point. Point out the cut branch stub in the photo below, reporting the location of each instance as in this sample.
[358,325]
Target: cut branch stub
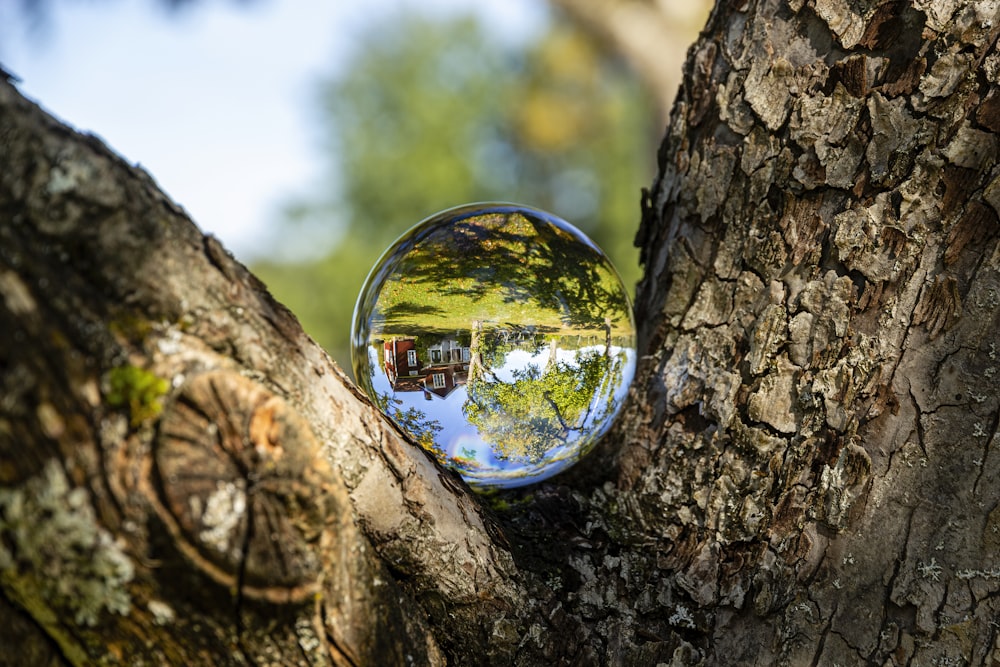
[245,489]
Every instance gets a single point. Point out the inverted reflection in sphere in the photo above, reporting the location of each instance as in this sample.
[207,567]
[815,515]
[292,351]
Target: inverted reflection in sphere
[499,338]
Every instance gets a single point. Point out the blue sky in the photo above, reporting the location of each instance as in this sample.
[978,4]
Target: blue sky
[217,101]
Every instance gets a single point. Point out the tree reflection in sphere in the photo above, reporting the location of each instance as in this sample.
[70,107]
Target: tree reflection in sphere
[500,338]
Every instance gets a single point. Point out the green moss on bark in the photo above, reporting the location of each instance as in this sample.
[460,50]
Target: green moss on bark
[138,390]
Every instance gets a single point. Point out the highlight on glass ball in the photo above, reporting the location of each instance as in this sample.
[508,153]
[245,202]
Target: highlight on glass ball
[500,338]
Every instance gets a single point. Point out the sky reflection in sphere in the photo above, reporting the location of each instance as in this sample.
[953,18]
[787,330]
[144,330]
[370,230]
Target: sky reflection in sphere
[499,338]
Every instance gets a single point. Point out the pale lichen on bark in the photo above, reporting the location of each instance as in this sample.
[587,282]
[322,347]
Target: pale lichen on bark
[57,561]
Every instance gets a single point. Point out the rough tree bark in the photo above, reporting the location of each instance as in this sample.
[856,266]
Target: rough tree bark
[808,471]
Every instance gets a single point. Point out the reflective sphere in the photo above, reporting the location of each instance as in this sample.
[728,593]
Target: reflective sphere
[500,338]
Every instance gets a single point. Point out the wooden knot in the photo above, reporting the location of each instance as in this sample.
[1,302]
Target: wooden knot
[244,487]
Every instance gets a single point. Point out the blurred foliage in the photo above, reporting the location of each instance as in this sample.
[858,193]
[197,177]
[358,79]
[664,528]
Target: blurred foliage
[544,407]
[436,113]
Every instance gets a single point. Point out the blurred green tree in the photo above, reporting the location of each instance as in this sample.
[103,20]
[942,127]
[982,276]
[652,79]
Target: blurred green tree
[543,407]
[439,112]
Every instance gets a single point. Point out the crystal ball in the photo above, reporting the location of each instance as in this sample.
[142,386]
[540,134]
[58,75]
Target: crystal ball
[499,338]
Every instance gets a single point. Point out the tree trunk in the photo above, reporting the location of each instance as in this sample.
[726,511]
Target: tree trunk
[807,471]
[813,445]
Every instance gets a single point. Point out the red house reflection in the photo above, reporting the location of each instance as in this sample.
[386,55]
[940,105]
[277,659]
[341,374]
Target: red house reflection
[406,371]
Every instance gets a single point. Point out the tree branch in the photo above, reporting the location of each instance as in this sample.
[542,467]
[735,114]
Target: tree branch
[157,397]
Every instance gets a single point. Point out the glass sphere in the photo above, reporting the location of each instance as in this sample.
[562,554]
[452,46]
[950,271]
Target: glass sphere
[500,338]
